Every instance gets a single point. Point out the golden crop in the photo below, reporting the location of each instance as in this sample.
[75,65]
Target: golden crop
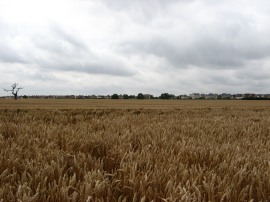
[104,150]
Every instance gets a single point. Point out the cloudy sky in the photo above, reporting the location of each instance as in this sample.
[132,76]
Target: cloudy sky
[132,46]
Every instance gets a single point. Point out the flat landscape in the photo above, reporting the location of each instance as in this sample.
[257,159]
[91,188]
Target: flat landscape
[134,150]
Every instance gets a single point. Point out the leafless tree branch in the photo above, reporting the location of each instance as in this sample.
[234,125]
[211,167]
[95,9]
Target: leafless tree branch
[14,90]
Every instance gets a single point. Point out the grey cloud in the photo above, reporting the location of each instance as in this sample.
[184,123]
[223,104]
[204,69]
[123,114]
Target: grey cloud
[255,73]
[13,47]
[139,4]
[65,52]
[227,39]
[85,63]
[96,68]
[205,53]
[185,45]
[59,41]
[9,54]
[213,51]
[112,70]
[141,10]
[71,39]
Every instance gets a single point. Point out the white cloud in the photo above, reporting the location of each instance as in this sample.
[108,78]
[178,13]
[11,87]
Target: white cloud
[87,46]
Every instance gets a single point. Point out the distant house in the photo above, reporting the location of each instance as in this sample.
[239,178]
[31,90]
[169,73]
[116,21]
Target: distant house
[71,97]
[237,96]
[93,97]
[195,96]
[184,97]
[100,97]
[260,96]
[147,96]
[211,96]
[203,96]
[250,95]
[225,96]
[240,96]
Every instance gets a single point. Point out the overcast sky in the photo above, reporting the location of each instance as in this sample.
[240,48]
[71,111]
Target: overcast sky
[132,46]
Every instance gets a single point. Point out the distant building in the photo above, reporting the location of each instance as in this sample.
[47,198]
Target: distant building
[195,96]
[184,97]
[147,96]
[101,97]
[237,96]
[249,95]
[211,96]
[93,97]
[224,96]
[202,96]
[260,96]
[70,97]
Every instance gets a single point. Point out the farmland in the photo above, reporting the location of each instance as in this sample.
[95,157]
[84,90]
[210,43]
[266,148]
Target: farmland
[134,150]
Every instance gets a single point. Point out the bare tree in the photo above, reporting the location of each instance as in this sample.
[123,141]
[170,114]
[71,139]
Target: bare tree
[14,90]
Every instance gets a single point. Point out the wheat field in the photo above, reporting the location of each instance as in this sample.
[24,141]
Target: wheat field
[134,150]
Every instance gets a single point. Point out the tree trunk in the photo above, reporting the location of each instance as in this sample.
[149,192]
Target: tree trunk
[15,96]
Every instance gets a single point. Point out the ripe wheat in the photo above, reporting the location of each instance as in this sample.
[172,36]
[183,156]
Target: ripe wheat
[137,152]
